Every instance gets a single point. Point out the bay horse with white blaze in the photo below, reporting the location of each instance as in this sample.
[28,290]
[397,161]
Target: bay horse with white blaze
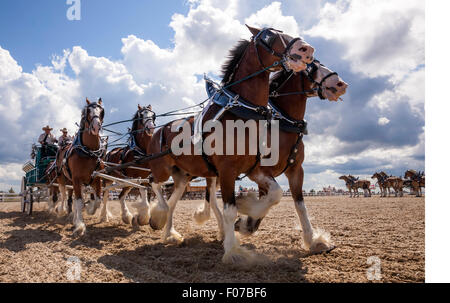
[247,80]
[81,158]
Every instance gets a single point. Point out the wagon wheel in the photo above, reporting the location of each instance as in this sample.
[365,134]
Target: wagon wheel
[23,189]
[28,207]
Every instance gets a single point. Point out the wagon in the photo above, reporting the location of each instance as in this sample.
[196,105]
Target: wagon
[34,186]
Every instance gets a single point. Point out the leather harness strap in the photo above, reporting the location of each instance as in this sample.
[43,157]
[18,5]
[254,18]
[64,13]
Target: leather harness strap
[293,154]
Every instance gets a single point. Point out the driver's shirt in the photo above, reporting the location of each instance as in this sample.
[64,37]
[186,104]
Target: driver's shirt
[64,140]
[49,140]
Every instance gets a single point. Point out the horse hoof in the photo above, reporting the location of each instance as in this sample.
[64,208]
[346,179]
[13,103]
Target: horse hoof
[237,255]
[127,218]
[105,219]
[80,230]
[137,221]
[155,225]
[174,239]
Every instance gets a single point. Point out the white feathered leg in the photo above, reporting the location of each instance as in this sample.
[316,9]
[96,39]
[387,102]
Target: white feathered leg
[80,227]
[105,215]
[158,210]
[170,234]
[143,216]
[314,240]
[127,217]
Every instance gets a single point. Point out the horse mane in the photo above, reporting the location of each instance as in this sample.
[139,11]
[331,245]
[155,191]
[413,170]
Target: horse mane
[234,57]
[135,121]
[82,120]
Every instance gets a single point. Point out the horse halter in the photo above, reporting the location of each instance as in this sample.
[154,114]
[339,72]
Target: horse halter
[140,116]
[266,37]
[310,72]
[86,117]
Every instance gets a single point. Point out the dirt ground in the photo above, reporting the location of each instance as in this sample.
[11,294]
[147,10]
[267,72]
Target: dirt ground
[37,248]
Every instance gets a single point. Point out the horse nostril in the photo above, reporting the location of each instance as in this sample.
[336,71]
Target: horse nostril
[302,49]
[340,84]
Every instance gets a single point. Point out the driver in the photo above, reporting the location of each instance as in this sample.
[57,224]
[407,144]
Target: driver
[46,140]
[47,137]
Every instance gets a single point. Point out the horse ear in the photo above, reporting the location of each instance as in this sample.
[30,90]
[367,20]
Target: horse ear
[149,107]
[139,107]
[253,30]
[87,101]
[100,101]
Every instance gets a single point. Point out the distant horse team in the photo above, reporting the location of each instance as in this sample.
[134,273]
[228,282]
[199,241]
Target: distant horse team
[412,179]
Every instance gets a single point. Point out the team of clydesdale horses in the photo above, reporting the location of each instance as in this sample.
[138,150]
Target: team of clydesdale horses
[412,179]
[271,76]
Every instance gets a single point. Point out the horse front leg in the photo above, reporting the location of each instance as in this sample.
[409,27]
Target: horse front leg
[62,208]
[80,227]
[256,209]
[127,217]
[314,240]
[202,213]
[170,235]
[143,216]
[158,210]
[52,199]
[70,201]
[105,215]
[234,252]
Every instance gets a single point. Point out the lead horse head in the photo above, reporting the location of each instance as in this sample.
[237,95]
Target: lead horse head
[294,53]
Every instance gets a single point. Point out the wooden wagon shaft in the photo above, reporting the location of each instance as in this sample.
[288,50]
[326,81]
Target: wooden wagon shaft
[118,180]
[140,160]
[130,167]
[67,186]
[117,185]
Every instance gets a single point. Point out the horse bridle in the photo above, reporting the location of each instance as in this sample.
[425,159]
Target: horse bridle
[311,70]
[141,117]
[86,116]
[266,38]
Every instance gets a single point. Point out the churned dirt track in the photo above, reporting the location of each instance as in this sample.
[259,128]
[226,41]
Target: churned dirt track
[36,248]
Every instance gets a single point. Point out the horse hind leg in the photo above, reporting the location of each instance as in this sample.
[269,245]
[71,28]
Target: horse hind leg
[62,208]
[202,213]
[217,213]
[256,209]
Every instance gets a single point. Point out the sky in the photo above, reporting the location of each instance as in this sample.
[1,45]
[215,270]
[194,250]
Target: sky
[155,52]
